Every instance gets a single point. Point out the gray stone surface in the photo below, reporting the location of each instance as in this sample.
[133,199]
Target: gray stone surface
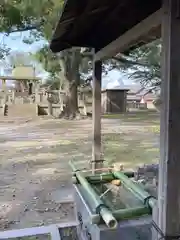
[148,176]
[137,229]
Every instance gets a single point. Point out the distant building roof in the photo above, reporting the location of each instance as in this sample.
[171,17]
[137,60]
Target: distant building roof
[116,85]
[115,89]
[134,88]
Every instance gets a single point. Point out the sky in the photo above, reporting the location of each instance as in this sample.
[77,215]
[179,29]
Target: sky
[15,43]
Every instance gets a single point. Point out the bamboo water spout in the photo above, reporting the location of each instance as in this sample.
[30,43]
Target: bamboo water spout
[125,214]
[101,178]
[110,218]
[97,204]
[108,177]
[144,196]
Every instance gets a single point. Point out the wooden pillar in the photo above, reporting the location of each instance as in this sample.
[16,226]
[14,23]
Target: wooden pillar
[96,115]
[49,102]
[13,95]
[3,84]
[50,108]
[4,88]
[169,168]
[36,91]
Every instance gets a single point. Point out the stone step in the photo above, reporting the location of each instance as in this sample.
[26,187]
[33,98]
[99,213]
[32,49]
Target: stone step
[21,110]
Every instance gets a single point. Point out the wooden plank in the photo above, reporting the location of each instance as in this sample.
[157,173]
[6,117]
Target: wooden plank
[55,234]
[96,114]
[19,78]
[131,37]
[169,168]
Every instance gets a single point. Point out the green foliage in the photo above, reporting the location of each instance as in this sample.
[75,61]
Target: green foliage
[22,15]
[40,18]
[9,15]
[49,61]
[4,51]
[54,83]
[144,64]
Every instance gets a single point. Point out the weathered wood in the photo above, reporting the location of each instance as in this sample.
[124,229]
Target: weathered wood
[4,88]
[169,168]
[19,78]
[96,113]
[50,108]
[3,84]
[131,37]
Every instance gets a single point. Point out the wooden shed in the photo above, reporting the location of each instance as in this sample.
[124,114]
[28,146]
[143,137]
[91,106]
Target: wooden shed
[114,100]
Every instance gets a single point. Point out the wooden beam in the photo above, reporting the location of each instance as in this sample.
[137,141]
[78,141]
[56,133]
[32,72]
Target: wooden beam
[131,37]
[169,167]
[96,114]
[19,79]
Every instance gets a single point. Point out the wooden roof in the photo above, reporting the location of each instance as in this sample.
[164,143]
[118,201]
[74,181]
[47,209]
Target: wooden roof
[115,90]
[96,23]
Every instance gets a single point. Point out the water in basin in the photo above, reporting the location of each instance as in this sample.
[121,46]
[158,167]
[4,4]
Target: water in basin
[117,197]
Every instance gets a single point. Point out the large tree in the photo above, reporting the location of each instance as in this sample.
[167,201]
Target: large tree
[144,65]
[40,17]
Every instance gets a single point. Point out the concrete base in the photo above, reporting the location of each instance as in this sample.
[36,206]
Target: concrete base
[138,229]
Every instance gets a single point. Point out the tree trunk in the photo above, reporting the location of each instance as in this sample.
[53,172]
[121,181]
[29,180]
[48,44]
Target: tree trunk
[70,62]
[158,103]
[70,110]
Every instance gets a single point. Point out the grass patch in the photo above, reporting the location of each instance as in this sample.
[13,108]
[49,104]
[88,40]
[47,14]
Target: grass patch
[119,148]
[145,117]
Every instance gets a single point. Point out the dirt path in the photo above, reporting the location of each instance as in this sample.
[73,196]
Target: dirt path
[35,178]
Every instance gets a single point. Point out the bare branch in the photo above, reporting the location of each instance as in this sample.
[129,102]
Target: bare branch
[25,29]
[123,60]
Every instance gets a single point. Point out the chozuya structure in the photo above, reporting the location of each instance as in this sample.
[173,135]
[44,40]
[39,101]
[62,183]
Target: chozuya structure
[111,27]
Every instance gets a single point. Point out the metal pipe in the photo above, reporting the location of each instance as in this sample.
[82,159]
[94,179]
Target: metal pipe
[96,202]
[144,196]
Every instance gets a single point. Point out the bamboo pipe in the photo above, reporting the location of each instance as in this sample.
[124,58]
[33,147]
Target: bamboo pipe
[102,178]
[144,196]
[125,214]
[98,205]
[96,202]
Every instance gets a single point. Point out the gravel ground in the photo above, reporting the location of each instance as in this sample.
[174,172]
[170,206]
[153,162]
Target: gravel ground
[35,178]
